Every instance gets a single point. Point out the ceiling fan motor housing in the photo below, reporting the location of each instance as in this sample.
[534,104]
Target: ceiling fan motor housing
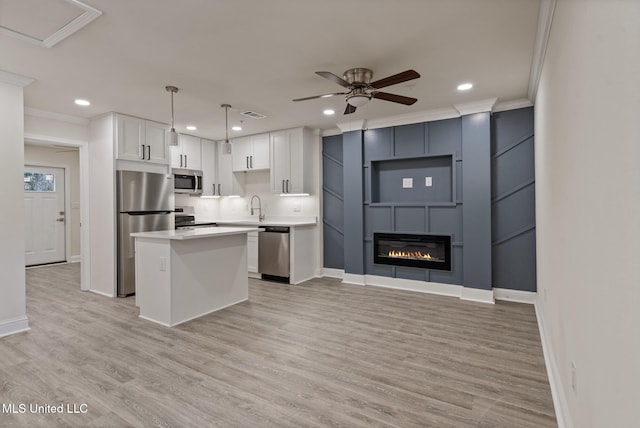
[358,76]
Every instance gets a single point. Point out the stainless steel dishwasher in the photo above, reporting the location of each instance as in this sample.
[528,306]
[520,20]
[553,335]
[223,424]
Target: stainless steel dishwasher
[273,253]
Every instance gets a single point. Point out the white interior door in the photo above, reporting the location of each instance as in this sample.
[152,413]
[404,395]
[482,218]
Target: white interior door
[44,196]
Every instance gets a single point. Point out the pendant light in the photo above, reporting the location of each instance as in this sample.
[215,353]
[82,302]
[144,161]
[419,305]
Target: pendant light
[227,145]
[173,135]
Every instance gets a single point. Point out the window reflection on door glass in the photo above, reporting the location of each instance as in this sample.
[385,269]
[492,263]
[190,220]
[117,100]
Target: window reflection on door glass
[39,182]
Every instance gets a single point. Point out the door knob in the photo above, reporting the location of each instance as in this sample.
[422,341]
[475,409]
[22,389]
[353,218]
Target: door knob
[60,219]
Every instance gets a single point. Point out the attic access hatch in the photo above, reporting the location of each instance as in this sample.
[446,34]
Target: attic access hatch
[44,23]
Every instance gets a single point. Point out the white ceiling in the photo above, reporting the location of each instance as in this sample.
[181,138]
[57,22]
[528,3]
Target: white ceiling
[259,55]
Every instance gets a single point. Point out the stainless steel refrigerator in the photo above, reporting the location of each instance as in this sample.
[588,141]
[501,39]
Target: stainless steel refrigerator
[146,202]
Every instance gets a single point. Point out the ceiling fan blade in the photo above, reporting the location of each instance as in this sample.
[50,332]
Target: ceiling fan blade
[335,79]
[395,79]
[350,109]
[321,96]
[394,98]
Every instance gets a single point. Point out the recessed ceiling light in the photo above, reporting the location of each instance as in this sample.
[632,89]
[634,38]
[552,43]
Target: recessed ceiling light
[465,86]
[81,102]
[191,127]
[329,112]
[236,128]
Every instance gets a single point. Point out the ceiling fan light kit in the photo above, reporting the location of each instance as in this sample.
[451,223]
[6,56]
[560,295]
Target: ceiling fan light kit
[173,135]
[361,89]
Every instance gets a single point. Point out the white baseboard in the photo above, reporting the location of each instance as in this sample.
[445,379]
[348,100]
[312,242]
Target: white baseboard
[74,259]
[477,295]
[16,325]
[350,278]
[563,417]
[333,273]
[517,296]
[413,285]
[102,294]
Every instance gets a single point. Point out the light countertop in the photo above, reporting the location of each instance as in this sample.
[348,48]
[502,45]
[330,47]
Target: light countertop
[290,222]
[197,233]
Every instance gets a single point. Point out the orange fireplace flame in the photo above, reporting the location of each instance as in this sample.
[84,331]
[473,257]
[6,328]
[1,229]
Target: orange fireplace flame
[410,255]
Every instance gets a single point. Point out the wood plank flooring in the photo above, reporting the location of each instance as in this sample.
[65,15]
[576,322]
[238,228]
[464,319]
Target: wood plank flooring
[314,355]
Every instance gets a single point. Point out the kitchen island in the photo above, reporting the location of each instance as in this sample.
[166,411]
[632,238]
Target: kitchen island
[185,274]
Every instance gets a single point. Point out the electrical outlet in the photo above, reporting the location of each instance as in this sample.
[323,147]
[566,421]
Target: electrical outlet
[163,264]
[407,183]
[574,384]
[428,181]
[296,208]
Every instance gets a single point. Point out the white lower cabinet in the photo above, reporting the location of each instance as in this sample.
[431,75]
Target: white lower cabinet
[252,254]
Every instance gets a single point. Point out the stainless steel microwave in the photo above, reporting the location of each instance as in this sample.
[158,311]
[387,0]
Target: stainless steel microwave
[187,181]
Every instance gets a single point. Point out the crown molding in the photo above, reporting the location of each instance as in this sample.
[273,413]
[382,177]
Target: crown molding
[476,106]
[29,111]
[354,125]
[545,18]
[330,132]
[15,79]
[90,13]
[512,105]
[418,117]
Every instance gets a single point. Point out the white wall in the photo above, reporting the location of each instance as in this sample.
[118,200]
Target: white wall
[588,209]
[12,294]
[69,159]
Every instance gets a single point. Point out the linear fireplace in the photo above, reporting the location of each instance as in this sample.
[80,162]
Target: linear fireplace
[413,250]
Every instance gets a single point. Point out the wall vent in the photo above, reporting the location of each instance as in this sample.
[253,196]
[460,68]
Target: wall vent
[253,114]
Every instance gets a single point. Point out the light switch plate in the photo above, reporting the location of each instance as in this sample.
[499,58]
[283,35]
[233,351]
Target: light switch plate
[407,183]
[428,181]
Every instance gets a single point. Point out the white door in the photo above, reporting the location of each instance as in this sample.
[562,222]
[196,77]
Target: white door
[44,215]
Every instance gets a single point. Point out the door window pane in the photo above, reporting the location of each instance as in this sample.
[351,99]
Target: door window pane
[39,182]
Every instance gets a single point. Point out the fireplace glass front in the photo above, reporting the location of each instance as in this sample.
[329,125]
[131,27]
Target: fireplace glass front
[413,250]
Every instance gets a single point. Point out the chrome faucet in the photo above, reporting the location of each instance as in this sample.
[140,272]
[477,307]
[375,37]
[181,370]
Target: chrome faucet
[260,215]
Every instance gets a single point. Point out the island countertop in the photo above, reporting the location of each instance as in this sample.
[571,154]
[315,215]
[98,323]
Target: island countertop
[202,232]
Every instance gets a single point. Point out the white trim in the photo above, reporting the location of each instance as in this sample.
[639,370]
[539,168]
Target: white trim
[330,132]
[512,105]
[100,293]
[517,296]
[30,111]
[450,290]
[477,295]
[560,403]
[15,79]
[417,117]
[355,125]
[473,107]
[333,273]
[545,18]
[75,259]
[89,14]
[350,278]
[12,326]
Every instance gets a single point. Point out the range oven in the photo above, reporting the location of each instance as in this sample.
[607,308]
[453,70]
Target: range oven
[187,181]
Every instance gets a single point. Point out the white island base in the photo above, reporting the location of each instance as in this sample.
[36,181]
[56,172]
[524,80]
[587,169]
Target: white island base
[182,275]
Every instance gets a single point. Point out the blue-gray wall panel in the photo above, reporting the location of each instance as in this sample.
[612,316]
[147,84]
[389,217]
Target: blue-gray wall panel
[409,140]
[510,127]
[453,277]
[445,136]
[333,211]
[513,213]
[333,249]
[476,209]
[353,197]
[389,175]
[514,263]
[332,176]
[332,146]
[446,220]
[513,168]
[411,219]
[378,144]
[372,268]
[377,219]
[411,273]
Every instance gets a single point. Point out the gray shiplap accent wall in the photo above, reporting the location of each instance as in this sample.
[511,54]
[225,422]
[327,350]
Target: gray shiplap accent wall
[513,200]
[353,197]
[333,202]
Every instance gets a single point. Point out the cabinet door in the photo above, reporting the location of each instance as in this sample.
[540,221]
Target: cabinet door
[209,179]
[177,160]
[191,152]
[297,163]
[260,152]
[252,252]
[280,161]
[130,134]
[228,182]
[241,150]
[156,141]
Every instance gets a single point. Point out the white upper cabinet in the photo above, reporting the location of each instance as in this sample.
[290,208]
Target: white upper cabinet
[141,140]
[209,167]
[291,161]
[187,154]
[228,182]
[251,153]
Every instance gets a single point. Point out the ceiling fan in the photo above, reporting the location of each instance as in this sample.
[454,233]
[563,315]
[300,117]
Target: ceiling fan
[362,89]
